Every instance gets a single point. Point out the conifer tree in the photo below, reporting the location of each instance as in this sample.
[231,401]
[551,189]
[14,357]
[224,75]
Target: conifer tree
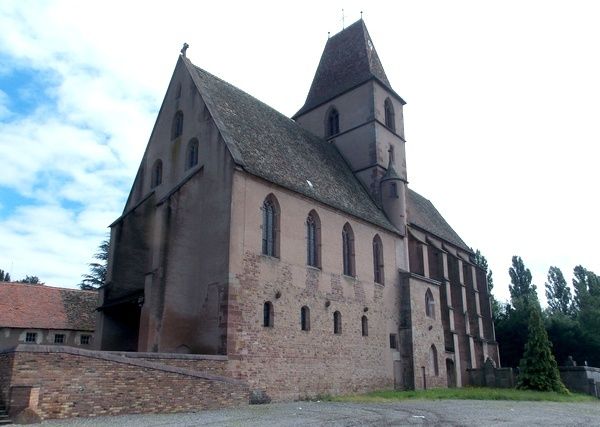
[95,278]
[538,369]
[4,276]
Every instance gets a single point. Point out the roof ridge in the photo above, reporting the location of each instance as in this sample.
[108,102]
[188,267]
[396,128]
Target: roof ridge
[44,286]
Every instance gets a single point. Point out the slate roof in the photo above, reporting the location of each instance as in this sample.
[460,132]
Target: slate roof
[270,145]
[45,307]
[423,214]
[349,59]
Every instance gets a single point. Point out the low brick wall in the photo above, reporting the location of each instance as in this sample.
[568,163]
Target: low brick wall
[74,382]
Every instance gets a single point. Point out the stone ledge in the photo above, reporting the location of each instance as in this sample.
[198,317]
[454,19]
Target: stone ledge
[120,358]
[180,356]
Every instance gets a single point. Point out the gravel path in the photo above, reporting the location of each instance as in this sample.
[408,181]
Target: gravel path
[411,412]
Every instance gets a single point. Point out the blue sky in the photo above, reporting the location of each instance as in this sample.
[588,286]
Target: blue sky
[501,119]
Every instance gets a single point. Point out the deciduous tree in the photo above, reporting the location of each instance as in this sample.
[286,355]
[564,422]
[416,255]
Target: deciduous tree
[558,293]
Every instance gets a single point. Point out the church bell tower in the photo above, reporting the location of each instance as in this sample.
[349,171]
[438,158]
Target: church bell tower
[352,105]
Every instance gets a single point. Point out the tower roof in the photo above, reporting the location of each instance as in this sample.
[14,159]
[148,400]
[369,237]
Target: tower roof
[348,60]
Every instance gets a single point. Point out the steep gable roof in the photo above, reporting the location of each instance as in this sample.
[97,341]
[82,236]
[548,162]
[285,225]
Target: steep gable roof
[270,145]
[423,214]
[46,307]
[348,60]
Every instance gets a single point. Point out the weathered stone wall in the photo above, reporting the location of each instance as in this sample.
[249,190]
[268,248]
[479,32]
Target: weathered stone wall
[427,332]
[283,359]
[75,382]
[581,379]
[6,363]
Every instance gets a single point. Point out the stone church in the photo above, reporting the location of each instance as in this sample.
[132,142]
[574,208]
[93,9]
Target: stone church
[293,247]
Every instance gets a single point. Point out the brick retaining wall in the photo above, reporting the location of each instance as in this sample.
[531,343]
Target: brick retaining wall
[74,382]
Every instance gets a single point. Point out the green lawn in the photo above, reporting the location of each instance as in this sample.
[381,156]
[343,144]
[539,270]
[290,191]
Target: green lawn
[468,393]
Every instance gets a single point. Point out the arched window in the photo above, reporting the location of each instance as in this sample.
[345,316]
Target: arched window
[177,129]
[178,91]
[270,227]
[157,172]
[348,250]
[333,122]
[433,361]
[390,118]
[268,314]
[429,304]
[191,155]
[337,322]
[305,318]
[313,240]
[377,260]
[364,326]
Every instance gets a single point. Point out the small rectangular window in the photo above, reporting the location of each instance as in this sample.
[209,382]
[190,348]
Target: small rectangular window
[85,339]
[59,339]
[31,337]
[393,341]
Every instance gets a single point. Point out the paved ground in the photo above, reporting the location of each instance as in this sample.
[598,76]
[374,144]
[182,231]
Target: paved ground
[412,412]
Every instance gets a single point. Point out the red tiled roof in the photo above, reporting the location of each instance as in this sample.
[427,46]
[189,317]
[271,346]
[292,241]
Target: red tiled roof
[45,307]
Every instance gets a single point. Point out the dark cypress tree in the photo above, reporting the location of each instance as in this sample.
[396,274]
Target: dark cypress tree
[4,276]
[538,369]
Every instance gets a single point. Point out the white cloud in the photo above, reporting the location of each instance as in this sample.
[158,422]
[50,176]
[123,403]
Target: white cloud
[500,120]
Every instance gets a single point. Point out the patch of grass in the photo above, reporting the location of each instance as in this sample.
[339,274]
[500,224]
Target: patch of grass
[466,393]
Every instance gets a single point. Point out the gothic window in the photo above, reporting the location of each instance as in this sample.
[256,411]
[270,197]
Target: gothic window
[337,323]
[270,227]
[377,260]
[333,122]
[191,155]
[433,361]
[268,314]
[157,172]
[348,250]
[305,318]
[364,326]
[177,129]
[390,120]
[429,304]
[313,240]
[178,91]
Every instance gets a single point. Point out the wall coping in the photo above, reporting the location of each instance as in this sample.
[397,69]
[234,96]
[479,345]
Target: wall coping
[180,356]
[124,358]
[578,368]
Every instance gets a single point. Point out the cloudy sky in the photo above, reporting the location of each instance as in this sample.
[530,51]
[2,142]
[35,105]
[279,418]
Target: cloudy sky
[501,118]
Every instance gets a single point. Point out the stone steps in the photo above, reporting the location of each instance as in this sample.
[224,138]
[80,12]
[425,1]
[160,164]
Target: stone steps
[4,420]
